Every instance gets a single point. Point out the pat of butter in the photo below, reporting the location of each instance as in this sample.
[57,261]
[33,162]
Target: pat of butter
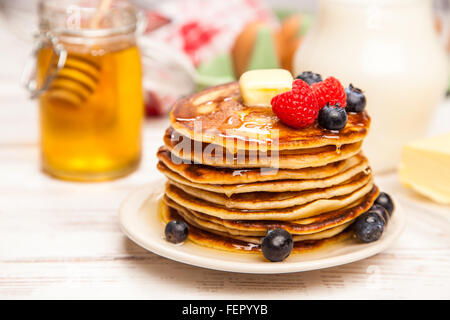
[258,87]
[425,167]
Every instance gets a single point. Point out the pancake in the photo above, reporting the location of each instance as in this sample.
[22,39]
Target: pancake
[275,200]
[217,115]
[268,186]
[235,172]
[304,226]
[252,238]
[292,213]
[215,241]
[216,226]
[214,175]
[215,155]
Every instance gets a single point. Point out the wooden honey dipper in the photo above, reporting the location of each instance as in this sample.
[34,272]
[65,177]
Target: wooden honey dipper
[79,77]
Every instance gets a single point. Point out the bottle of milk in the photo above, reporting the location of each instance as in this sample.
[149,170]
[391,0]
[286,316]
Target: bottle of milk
[390,50]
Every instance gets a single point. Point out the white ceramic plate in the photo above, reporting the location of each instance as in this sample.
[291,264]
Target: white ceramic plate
[140,221]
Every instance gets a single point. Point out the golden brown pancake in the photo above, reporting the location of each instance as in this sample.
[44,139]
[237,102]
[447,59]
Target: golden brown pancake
[219,175]
[235,171]
[247,235]
[220,242]
[217,114]
[310,209]
[269,186]
[275,200]
[215,155]
[315,224]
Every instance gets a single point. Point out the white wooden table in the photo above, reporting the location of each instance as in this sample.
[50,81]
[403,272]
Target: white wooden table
[62,240]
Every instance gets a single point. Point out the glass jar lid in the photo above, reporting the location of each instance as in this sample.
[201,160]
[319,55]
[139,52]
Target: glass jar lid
[83,18]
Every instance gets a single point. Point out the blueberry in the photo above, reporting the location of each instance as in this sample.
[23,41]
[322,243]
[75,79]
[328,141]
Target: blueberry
[176,231]
[369,226]
[381,211]
[332,117]
[356,100]
[277,245]
[309,77]
[386,202]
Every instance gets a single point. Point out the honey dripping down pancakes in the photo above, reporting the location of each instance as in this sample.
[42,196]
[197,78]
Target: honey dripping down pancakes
[271,165]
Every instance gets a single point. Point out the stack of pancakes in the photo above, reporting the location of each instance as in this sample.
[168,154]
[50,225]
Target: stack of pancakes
[235,171]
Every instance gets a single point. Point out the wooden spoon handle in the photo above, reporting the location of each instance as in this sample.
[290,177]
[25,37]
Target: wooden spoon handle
[102,8]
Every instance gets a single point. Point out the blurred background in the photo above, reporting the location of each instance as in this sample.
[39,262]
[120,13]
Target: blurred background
[203,35]
[396,51]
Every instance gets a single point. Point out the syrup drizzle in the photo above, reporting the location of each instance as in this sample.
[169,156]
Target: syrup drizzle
[244,124]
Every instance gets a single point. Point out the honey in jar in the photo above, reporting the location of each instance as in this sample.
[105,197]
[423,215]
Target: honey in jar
[88,83]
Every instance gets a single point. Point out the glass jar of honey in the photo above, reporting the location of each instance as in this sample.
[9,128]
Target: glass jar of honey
[88,82]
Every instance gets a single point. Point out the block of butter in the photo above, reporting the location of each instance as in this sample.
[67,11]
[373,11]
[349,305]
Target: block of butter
[258,87]
[425,167]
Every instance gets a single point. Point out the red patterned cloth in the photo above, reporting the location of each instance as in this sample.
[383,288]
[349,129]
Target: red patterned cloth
[205,28]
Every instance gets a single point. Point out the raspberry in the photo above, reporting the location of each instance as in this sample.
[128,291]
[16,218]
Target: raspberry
[297,108]
[329,91]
